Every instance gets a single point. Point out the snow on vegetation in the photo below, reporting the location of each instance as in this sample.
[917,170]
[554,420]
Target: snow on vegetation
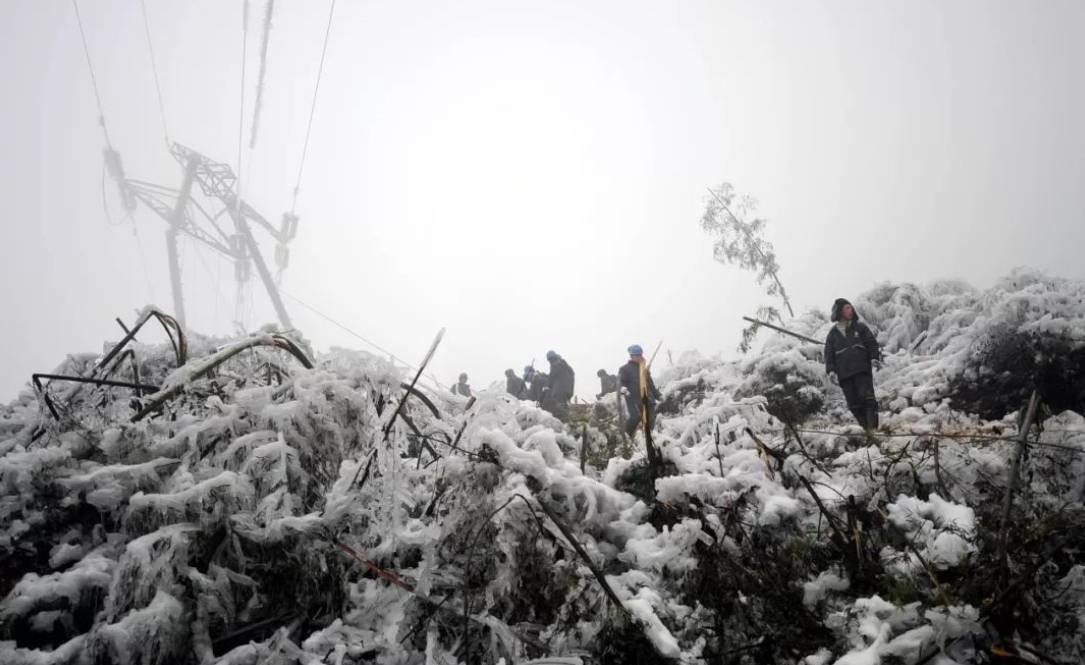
[262,515]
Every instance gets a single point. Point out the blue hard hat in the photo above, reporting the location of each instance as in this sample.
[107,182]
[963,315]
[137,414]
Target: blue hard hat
[529,370]
[635,350]
[550,355]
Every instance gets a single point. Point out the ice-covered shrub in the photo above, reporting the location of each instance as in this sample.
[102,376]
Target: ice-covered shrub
[1006,364]
[264,517]
[792,384]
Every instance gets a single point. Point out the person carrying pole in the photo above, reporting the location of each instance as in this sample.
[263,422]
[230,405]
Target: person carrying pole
[539,385]
[640,392]
[851,356]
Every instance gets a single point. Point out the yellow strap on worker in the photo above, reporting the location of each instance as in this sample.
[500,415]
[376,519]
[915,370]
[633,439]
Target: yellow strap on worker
[643,386]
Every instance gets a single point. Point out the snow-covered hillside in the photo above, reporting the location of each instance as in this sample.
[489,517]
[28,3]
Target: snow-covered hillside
[267,513]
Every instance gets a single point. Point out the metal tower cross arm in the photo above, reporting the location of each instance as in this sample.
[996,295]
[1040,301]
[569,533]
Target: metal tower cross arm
[216,181]
[163,202]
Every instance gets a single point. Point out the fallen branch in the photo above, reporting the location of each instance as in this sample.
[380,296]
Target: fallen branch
[365,475]
[765,452]
[157,400]
[782,330]
[838,536]
[385,575]
[583,555]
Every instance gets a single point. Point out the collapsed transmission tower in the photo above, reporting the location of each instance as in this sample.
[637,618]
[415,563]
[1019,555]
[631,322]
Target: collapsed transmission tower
[184,214]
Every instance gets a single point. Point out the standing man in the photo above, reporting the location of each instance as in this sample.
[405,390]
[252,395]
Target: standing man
[641,394]
[514,385]
[462,388]
[562,382]
[608,383]
[540,385]
[851,355]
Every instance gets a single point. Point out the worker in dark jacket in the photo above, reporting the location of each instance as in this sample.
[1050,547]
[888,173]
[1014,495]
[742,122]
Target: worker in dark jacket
[562,382]
[851,355]
[539,389]
[462,388]
[514,385]
[640,392]
[608,383]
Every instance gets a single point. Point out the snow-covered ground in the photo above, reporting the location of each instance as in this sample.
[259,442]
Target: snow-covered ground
[264,516]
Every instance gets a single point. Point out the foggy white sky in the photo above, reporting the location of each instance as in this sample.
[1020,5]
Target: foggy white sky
[531,175]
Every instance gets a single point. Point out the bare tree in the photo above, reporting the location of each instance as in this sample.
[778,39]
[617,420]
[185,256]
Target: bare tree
[739,240]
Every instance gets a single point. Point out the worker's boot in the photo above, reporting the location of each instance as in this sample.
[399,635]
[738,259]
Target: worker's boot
[871,416]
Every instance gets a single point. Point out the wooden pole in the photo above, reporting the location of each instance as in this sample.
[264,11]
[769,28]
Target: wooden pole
[1015,470]
[583,447]
[782,330]
[650,360]
[421,368]
[618,410]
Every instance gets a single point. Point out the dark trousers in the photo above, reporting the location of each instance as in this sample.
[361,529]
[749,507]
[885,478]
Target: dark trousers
[557,405]
[859,392]
[632,421]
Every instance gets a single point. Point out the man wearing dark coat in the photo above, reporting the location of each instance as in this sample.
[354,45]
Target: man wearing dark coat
[539,388]
[608,383]
[851,355]
[514,385]
[461,388]
[639,391]
[562,382]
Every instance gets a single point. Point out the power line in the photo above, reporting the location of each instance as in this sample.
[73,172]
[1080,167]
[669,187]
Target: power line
[214,279]
[335,323]
[240,139]
[312,108]
[154,70]
[219,298]
[142,258]
[958,436]
[93,78]
[135,233]
[241,109]
[332,321]
[263,73]
[105,204]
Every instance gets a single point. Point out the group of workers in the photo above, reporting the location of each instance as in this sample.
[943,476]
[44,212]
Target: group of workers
[851,355]
[554,390]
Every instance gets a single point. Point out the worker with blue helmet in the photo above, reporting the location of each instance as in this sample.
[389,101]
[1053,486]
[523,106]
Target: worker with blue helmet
[640,392]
